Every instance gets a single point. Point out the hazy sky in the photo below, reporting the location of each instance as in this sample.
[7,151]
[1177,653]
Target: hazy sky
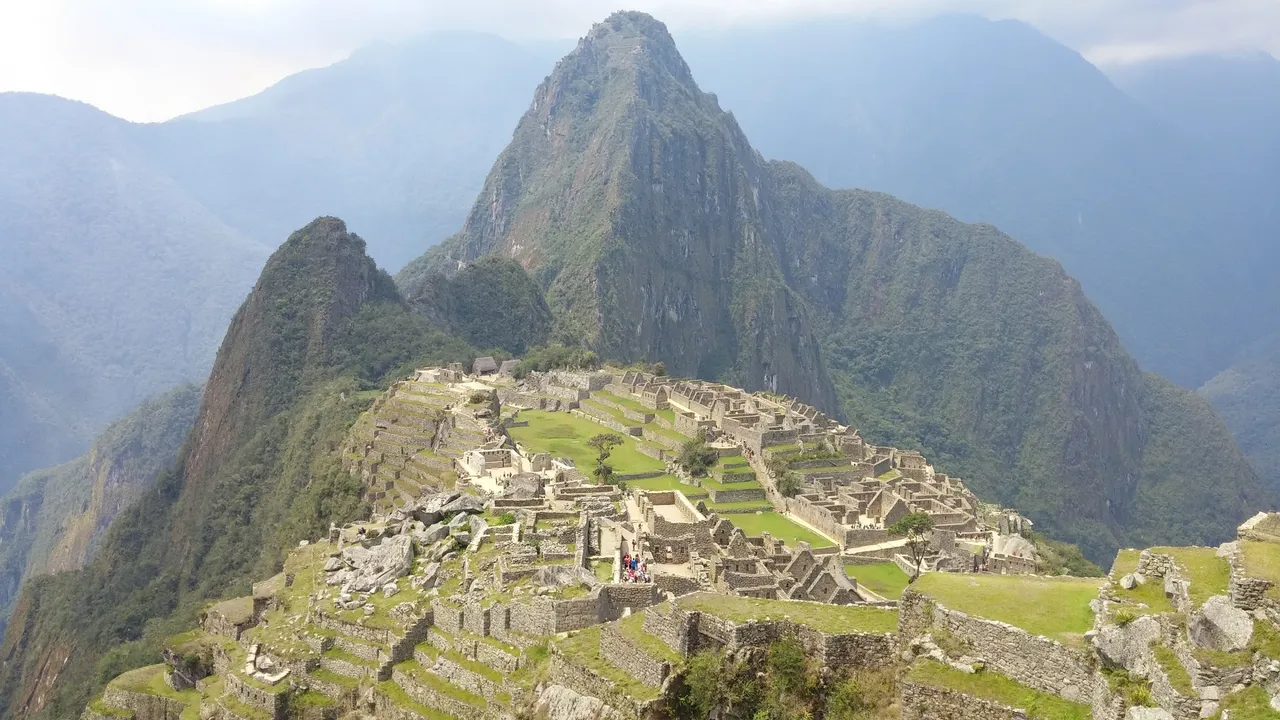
[152,59]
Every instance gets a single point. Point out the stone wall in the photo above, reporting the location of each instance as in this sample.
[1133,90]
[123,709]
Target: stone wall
[676,584]
[1155,564]
[143,705]
[360,632]
[271,703]
[618,650]
[585,681]
[448,617]
[425,695]
[672,628]
[461,677]
[1037,662]
[925,702]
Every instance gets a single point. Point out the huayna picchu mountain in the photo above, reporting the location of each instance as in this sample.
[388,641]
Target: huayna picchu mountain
[305,354]
[658,233]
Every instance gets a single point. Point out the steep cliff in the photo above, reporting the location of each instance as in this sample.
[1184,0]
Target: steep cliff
[318,335]
[659,232]
[55,519]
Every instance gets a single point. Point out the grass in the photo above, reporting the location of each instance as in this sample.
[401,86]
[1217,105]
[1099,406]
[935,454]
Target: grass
[439,684]
[660,483]
[1179,678]
[1250,704]
[1057,608]
[395,694]
[603,570]
[1261,560]
[97,706]
[583,649]
[1209,574]
[334,678]
[1266,639]
[778,526]
[885,579]
[1000,689]
[565,435]
[150,680]
[819,616]
[627,403]
[1221,659]
[632,627]
[729,507]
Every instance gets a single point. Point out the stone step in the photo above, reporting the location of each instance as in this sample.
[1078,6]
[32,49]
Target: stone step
[430,690]
[344,663]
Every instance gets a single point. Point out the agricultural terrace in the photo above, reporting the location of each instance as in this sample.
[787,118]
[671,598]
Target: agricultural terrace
[1000,689]
[819,616]
[565,435]
[1057,608]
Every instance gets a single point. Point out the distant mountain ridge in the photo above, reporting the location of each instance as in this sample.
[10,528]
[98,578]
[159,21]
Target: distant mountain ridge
[659,233]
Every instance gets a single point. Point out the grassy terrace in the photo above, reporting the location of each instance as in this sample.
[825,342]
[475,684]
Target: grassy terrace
[665,482]
[632,627]
[885,579]
[1262,560]
[150,680]
[583,649]
[998,688]
[1056,608]
[400,698]
[778,526]
[1150,593]
[729,507]
[428,679]
[819,616]
[565,435]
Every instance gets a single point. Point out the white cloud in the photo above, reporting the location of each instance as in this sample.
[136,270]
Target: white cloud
[153,59]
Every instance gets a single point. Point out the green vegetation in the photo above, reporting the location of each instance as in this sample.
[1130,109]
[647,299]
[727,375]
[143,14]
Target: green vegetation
[885,579]
[603,444]
[1252,703]
[1209,574]
[697,458]
[1261,560]
[1151,593]
[322,326]
[778,526]
[1054,557]
[998,688]
[66,509]
[583,648]
[491,303]
[665,482]
[820,616]
[783,684]
[632,626]
[1057,608]
[556,357]
[565,435]
[1179,678]
[915,528]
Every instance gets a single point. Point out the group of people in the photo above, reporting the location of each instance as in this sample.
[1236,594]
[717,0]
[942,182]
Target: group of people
[634,569]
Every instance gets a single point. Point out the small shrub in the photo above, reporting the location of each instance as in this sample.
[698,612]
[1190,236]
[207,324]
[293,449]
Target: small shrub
[479,397]
[505,518]
[1124,616]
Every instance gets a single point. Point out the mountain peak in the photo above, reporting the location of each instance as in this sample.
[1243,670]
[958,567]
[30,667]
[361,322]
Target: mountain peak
[630,41]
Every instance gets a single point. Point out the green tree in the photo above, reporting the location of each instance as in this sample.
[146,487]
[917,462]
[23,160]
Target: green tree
[789,484]
[915,528]
[604,444]
[696,457]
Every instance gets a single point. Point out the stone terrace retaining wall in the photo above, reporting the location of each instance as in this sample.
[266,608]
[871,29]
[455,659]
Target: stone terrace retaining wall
[1246,593]
[271,703]
[424,695]
[861,650]
[618,650]
[1037,662]
[144,706]
[924,702]
[360,632]
[585,681]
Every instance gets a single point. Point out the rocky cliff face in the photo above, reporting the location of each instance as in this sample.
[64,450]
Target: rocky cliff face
[659,233]
[634,200]
[56,518]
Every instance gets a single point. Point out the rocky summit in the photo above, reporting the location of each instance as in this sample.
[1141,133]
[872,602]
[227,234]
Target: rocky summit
[719,540]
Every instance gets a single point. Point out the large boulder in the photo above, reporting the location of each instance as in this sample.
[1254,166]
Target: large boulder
[388,560]
[1219,625]
[1127,646]
[464,504]
[558,702]
[430,509]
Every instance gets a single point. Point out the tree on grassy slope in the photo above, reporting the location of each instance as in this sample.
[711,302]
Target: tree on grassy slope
[915,528]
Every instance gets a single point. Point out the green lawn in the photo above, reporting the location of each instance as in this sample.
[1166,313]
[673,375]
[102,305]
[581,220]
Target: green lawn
[1250,704]
[998,688]
[885,579]
[565,435]
[1056,608]
[150,680]
[778,526]
[1209,574]
[627,403]
[819,616]
[1261,560]
[632,627]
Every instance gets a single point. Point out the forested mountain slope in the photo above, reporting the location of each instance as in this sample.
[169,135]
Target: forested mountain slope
[660,233]
[55,518]
[322,327]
